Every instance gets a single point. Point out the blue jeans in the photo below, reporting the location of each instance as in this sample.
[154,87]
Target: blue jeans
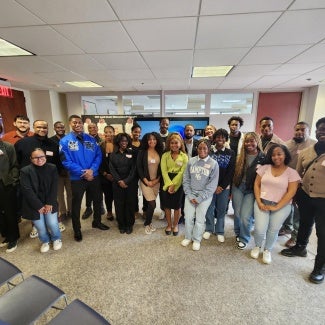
[243,204]
[218,210]
[48,227]
[194,231]
[268,224]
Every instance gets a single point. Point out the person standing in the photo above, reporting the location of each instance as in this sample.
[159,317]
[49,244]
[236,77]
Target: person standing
[93,131]
[9,176]
[81,156]
[148,167]
[122,166]
[173,164]
[236,137]
[311,202]
[64,183]
[218,208]
[22,125]
[300,141]
[275,186]
[39,185]
[189,141]
[268,138]
[199,183]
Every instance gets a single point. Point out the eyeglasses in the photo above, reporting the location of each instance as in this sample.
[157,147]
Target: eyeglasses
[38,158]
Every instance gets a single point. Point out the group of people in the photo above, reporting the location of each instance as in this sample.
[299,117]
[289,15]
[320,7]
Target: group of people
[276,187]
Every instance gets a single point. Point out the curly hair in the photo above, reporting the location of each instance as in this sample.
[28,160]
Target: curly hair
[242,157]
[119,137]
[268,158]
[159,146]
[222,132]
[236,118]
[173,136]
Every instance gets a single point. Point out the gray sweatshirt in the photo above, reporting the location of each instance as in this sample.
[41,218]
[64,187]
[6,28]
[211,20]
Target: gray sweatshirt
[201,178]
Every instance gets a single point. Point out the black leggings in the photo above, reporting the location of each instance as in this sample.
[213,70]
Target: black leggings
[149,213]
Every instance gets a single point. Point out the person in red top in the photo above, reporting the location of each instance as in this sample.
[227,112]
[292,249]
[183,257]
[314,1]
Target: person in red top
[22,125]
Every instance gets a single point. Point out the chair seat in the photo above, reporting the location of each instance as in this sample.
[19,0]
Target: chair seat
[28,301]
[8,272]
[78,313]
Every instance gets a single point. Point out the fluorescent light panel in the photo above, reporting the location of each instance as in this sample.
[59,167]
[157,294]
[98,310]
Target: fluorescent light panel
[9,49]
[83,84]
[206,72]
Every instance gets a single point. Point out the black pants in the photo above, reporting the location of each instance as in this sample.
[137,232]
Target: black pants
[312,210]
[78,189]
[107,188]
[124,201]
[8,218]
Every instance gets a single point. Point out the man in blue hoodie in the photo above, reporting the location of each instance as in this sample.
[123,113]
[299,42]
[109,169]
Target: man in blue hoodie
[81,156]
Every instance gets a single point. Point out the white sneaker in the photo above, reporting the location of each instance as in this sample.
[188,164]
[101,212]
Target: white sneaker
[267,259]
[33,233]
[57,244]
[147,230]
[196,246]
[206,235]
[61,227]
[255,252]
[45,247]
[221,238]
[185,242]
[162,215]
[152,228]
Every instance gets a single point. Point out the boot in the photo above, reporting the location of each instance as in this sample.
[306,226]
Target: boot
[317,275]
[297,250]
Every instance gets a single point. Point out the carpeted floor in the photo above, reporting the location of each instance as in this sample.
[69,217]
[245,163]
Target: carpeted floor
[152,279]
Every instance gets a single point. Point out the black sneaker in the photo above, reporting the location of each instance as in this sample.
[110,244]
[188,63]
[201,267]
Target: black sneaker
[88,212]
[11,246]
[316,276]
[295,251]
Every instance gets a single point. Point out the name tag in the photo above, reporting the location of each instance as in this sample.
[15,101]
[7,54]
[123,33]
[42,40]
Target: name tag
[153,161]
[128,156]
[323,163]
[179,163]
[207,166]
[1,153]
[49,153]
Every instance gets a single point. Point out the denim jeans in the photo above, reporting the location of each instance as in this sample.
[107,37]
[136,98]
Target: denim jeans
[194,230]
[268,224]
[218,210]
[243,204]
[48,227]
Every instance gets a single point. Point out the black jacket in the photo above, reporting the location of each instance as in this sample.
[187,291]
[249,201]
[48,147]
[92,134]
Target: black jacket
[251,171]
[194,147]
[142,166]
[32,193]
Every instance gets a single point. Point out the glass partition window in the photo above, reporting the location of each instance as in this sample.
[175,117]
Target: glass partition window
[99,105]
[231,103]
[185,104]
[141,105]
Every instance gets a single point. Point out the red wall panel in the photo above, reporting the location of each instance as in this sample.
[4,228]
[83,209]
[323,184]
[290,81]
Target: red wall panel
[283,108]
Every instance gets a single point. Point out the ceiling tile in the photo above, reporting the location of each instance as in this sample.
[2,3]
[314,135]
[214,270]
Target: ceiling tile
[295,69]
[229,56]
[168,73]
[98,37]
[236,82]
[75,62]
[269,81]
[229,30]
[310,4]
[72,11]
[312,55]
[297,27]
[213,7]
[62,76]
[252,70]
[272,54]
[40,40]
[172,84]
[168,59]
[132,74]
[146,9]
[205,83]
[23,17]
[128,60]
[162,34]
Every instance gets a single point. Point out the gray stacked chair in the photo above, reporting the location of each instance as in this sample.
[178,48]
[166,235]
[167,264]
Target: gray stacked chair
[8,272]
[29,300]
[78,313]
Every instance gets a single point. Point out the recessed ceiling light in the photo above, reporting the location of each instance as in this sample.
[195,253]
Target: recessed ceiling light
[83,84]
[9,49]
[204,72]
